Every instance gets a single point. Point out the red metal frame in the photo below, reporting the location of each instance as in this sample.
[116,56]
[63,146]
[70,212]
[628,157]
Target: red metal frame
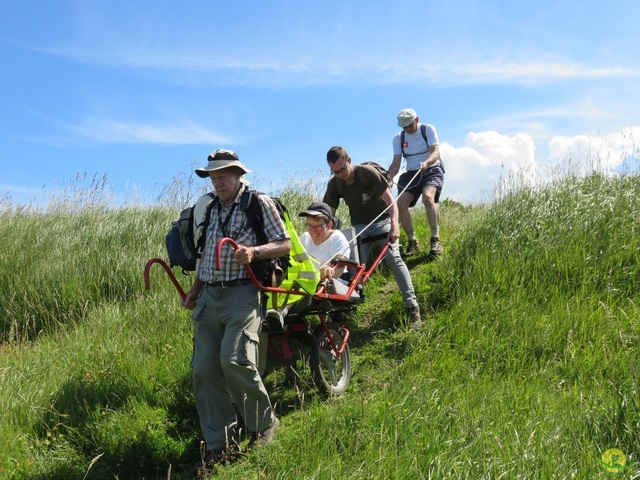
[361,276]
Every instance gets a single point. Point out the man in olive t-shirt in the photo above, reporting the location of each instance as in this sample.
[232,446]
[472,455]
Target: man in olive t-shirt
[367,195]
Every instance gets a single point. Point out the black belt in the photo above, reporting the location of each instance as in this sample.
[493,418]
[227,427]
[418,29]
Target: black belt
[230,283]
[374,238]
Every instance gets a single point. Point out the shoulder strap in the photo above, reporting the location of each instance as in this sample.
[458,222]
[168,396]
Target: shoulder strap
[214,199]
[250,204]
[423,130]
[205,224]
[195,222]
[207,216]
[207,211]
[402,142]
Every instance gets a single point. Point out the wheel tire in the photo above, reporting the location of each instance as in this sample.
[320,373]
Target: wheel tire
[331,373]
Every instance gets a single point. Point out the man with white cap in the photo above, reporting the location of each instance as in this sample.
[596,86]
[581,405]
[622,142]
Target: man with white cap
[418,144]
[227,316]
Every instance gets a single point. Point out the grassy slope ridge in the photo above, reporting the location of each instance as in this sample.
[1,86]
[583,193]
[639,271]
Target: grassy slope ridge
[528,368]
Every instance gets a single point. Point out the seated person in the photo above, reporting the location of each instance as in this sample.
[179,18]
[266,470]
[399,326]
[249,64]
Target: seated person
[322,242]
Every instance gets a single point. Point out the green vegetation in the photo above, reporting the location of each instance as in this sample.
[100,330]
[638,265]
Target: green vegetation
[527,369]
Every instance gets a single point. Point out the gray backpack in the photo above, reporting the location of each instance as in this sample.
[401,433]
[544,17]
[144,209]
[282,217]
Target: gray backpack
[181,246]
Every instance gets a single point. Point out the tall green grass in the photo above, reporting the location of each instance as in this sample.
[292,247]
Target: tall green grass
[575,237]
[527,367]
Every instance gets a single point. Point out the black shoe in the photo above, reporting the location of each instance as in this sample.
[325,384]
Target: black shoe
[274,321]
[413,247]
[217,456]
[265,437]
[415,322]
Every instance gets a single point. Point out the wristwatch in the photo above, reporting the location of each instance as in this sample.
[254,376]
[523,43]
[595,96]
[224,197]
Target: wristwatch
[256,252]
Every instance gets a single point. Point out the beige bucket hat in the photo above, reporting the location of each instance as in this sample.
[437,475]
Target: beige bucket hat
[219,159]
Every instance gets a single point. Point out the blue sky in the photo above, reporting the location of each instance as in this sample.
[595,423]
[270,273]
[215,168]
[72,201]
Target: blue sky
[140,90]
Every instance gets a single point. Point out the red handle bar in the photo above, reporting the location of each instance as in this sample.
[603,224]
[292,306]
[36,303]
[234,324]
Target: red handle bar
[361,276]
[147,283]
[235,247]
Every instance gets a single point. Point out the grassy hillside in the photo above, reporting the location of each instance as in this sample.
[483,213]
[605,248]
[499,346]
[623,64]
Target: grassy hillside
[528,367]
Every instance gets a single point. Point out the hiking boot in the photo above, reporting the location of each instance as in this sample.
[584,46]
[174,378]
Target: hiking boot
[415,322]
[265,437]
[413,247]
[436,246]
[216,456]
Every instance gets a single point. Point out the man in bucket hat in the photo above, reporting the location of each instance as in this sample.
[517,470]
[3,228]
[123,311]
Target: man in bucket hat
[418,144]
[227,317]
[200,208]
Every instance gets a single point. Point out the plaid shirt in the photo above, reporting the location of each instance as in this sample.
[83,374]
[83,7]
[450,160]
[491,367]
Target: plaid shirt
[237,227]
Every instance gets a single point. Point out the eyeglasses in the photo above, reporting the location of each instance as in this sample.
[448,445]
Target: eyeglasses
[338,172]
[316,228]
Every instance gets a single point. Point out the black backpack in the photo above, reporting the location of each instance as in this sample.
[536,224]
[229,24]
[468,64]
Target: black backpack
[423,131]
[272,271]
[181,247]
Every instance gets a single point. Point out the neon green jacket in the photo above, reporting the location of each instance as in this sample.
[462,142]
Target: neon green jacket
[302,273]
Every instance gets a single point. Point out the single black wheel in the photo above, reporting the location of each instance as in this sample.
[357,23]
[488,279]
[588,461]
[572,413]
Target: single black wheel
[331,372]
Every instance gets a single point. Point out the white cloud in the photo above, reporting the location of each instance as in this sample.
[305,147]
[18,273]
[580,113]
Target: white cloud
[285,67]
[319,43]
[490,163]
[536,121]
[114,131]
[543,72]
[585,153]
[474,169]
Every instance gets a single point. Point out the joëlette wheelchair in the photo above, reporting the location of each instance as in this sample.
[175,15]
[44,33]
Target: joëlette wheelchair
[327,342]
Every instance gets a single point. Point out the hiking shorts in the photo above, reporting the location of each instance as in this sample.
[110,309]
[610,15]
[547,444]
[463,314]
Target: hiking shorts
[433,177]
